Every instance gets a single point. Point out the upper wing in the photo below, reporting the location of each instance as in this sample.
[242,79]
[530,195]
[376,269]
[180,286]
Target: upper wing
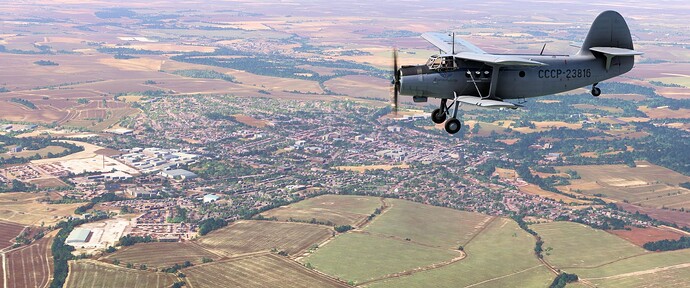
[500,60]
[445,43]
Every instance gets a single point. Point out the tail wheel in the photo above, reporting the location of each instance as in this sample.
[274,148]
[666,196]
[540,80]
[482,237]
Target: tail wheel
[453,125]
[596,91]
[438,116]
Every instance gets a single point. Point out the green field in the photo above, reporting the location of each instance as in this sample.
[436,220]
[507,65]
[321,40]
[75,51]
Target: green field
[88,273]
[161,254]
[338,209]
[360,257]
[576,245]
[644,262]
[664,278]
[501,256]
[429,225]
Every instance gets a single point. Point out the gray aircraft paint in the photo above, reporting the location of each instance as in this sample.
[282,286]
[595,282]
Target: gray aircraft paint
[561,72]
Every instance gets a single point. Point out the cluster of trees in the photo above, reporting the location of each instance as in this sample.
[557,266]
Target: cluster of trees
[26,103]
[210,224]
[668,245]
[106,197]
[343,228]
[563,279]
[176,267]
[128,240]
[46,63]
[180,215]
[204,74]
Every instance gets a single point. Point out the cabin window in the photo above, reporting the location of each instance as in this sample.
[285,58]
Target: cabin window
[522,74]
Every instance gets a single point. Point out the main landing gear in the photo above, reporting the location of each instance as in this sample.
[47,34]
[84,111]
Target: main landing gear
[439,115]
[595,90]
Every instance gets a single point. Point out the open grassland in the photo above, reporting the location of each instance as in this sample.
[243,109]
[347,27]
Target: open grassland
[647,184]
[266,270]
[24,208]
[576,245]
[662,277]
[30,266]
[500,256]
[161,254]
[253,236]
[8,231]
[644,268]
[338,209]
[90,273]
[427,225]
[361,257]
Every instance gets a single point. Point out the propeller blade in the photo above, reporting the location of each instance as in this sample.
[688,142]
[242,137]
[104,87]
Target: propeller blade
[396,81]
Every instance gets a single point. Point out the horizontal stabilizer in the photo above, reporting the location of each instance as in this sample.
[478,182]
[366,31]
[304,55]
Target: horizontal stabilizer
[486,103]
[615,51]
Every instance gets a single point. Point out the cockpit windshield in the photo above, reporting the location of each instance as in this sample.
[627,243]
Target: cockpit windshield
[436,62]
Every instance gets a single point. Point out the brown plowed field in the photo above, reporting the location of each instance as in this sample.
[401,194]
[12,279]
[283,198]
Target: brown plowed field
[8,231]
[640,236]
[253,236]
[30,266]
[267,270]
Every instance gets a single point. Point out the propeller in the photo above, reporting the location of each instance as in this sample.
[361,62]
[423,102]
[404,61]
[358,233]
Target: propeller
[396,81]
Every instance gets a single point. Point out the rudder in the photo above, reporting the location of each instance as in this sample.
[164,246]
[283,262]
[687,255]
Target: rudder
[609,29]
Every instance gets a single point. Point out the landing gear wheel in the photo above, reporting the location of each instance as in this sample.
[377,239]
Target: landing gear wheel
[596,91]
[438,116]
[453,125]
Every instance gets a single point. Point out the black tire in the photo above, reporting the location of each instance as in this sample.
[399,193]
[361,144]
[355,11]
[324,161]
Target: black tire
[596,91]
[438,116]
[453,125]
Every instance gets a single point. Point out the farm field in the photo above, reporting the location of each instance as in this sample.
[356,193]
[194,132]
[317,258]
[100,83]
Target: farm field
[644,266]
[266,270]
[674,277]
[376,256]
[30,266]
[90,273]
[8,231]
[428,225]
[647,184]
[254,236]
[502,240]
[24,208]
[640,236]
[338,209]
[161,254]
[576,245]
[28,153]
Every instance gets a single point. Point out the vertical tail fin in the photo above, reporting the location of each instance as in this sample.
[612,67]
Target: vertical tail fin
[608,30]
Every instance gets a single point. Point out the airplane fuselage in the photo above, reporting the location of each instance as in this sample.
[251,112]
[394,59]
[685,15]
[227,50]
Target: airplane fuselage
[561,73]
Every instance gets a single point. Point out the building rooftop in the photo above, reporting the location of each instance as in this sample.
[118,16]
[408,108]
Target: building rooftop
[78,235]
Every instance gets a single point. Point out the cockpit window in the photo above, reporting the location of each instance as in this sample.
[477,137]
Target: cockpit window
[436,62]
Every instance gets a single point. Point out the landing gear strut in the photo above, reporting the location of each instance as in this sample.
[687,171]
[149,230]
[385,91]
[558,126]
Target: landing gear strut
[439,115]
[595,90]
